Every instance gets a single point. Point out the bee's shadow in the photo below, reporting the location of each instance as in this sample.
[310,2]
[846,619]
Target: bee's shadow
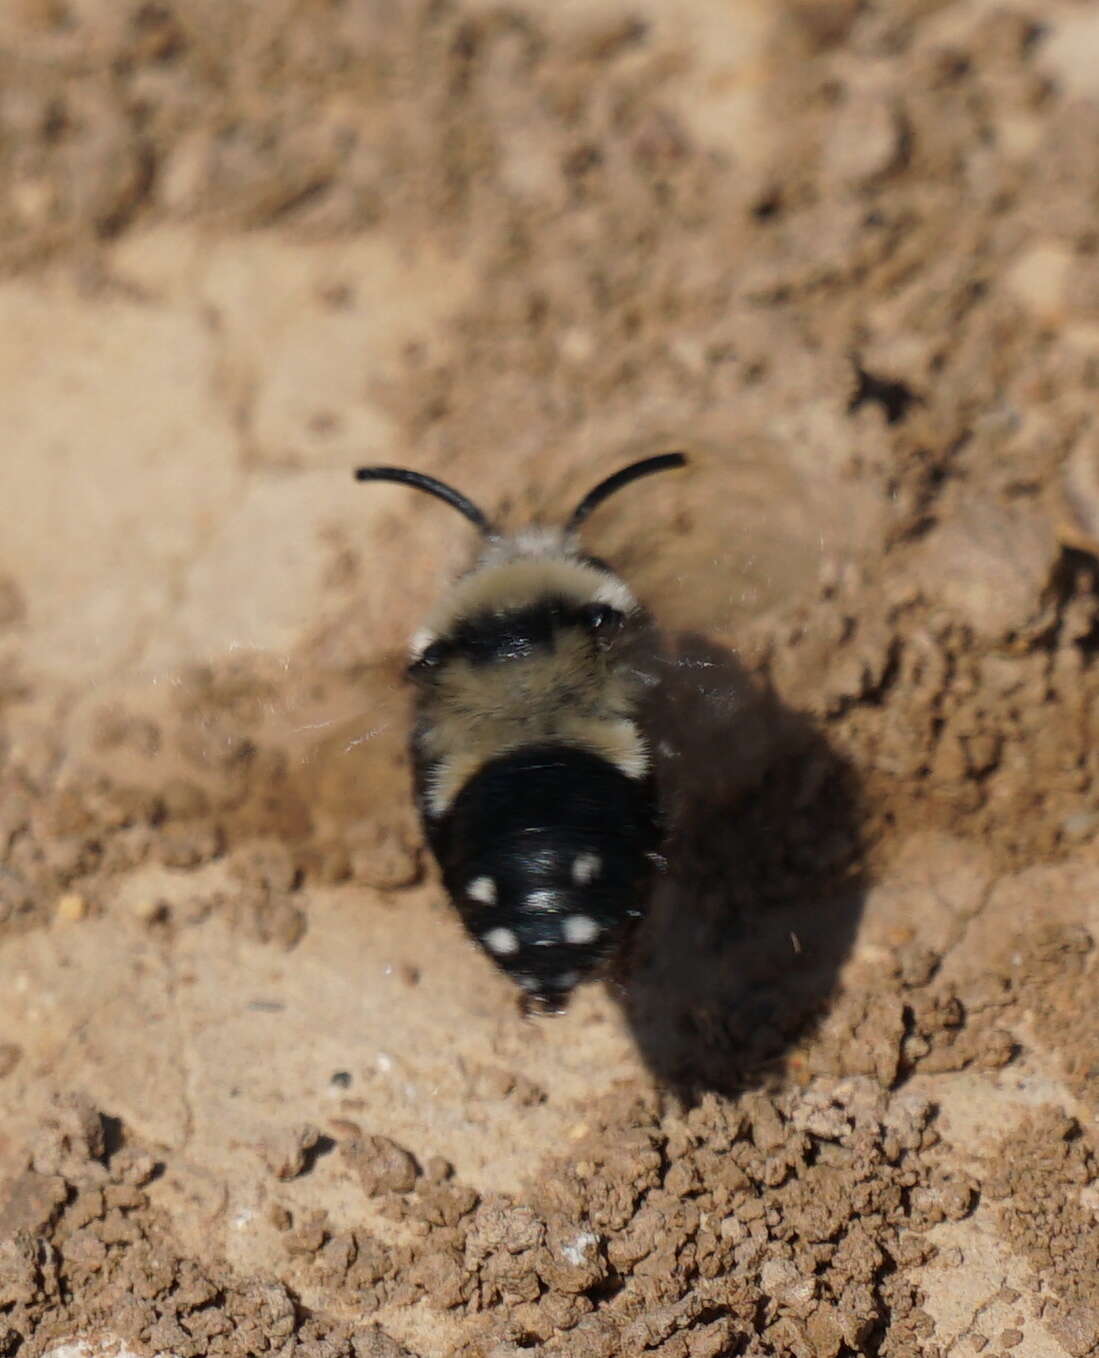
[749,926]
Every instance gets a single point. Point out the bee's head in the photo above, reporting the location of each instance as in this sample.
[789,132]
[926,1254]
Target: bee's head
[539,573]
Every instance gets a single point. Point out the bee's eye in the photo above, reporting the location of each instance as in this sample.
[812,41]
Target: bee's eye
[430,658]
[602,618]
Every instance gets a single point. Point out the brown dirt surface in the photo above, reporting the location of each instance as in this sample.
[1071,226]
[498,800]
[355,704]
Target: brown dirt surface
[260,1094]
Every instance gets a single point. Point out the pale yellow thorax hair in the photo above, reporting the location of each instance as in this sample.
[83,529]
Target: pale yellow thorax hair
[576,694]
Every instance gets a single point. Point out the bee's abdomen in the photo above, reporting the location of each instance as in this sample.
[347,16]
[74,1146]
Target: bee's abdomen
[546,852]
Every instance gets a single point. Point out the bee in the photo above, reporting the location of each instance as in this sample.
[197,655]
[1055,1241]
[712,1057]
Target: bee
[532,775]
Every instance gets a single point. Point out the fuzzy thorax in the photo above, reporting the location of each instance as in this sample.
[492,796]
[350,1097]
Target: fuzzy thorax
[560,683]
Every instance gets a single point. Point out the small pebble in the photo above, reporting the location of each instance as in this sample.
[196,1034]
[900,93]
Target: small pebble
[1080,825]
[148,910]
[279,1217]
[287,1151]
[72,907]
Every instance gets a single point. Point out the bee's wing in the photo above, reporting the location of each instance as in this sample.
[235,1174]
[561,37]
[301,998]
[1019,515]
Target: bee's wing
[737,537]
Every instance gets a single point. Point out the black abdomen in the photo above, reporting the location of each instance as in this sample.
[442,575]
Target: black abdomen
[547,854]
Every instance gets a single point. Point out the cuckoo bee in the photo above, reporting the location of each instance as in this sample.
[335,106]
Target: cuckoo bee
[532,775]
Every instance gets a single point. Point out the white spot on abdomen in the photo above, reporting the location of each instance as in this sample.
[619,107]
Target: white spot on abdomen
[586,868]
[503,942]
[580,929]
[482,890]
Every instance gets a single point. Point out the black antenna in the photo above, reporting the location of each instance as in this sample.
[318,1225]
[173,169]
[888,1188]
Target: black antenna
[439,489]
[646,467]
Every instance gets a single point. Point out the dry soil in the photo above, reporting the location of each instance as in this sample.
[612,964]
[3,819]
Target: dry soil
[260,1094]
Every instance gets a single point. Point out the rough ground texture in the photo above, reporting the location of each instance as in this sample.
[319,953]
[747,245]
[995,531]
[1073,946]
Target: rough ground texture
[259,1094]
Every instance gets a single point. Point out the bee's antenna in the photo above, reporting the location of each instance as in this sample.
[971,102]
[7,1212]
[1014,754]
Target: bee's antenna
[439,489]
[646,467]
